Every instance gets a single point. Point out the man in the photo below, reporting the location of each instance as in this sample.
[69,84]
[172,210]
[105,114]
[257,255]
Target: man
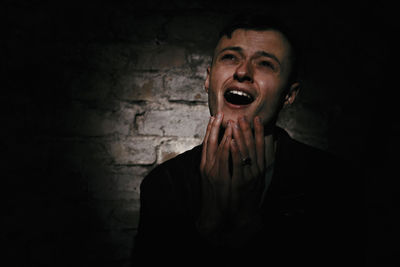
[241,194]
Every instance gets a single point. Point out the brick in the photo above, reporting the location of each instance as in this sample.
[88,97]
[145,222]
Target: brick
[126,215]
[129,178]
[199,63]
[134,151]
[86,121]
[96,80]
[160,57]
[75,155]
[139,87]
[110,248]
[110,56]
[180,121]
[171,148]
[181,87]
[114,214]
[108,182]
[90,85]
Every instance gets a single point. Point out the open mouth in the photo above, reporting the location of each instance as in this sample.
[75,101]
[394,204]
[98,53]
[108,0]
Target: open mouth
[237,97]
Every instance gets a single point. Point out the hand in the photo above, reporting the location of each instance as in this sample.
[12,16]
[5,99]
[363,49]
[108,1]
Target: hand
[231,201]
[247,180]
[216,180]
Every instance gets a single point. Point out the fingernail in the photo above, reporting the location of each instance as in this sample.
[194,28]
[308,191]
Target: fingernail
[258,119]
[219,115]
[236,125]
[212,119]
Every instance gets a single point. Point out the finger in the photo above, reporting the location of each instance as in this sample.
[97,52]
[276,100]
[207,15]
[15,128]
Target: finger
[223,179]
[236,162]
[224,153]
[212,142]
[260,145]
[239,140]
[222,146]
[249,141]
[204,150]
[237,173]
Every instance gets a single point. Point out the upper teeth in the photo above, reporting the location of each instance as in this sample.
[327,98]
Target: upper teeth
[240,93]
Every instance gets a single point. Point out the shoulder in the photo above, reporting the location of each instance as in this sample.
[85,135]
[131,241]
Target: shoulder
[301,154]
[302,166]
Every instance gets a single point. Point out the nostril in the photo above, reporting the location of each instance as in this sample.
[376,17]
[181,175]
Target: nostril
[242,78]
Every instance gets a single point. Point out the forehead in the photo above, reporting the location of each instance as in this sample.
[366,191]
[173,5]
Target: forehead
[251,41]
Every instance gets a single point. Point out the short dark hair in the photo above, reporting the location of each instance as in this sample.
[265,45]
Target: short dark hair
[264,22]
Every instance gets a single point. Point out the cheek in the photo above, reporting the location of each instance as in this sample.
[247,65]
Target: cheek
[219,76]
[212,99]
[270,90]
[271,97]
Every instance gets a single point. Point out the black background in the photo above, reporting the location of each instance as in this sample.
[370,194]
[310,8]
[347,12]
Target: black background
[351,57]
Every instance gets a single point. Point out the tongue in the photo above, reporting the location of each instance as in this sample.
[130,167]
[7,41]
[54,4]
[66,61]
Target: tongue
[237,99]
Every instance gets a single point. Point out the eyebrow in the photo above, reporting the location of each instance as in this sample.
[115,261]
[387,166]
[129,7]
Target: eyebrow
[258,53]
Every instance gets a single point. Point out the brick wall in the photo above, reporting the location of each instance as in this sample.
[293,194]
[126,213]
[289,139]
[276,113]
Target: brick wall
[98,95]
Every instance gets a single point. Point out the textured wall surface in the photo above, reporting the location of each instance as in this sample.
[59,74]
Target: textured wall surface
[99,94]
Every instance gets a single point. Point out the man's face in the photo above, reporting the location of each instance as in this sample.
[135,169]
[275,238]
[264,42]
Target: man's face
[249,75]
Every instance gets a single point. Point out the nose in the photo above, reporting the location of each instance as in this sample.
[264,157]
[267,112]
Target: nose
[243,73]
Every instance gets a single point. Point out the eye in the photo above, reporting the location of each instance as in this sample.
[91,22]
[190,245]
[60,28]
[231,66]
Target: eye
[228,57]
[267,64]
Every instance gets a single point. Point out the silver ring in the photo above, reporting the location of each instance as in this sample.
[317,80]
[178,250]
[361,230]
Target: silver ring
[246,161]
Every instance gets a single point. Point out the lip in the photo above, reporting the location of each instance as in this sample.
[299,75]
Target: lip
[247,91]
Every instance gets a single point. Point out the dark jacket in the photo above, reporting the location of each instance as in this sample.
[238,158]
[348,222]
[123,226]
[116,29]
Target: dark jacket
[304,212]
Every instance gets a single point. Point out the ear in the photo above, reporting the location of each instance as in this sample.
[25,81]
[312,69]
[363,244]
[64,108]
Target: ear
[292,93]
[207,81]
